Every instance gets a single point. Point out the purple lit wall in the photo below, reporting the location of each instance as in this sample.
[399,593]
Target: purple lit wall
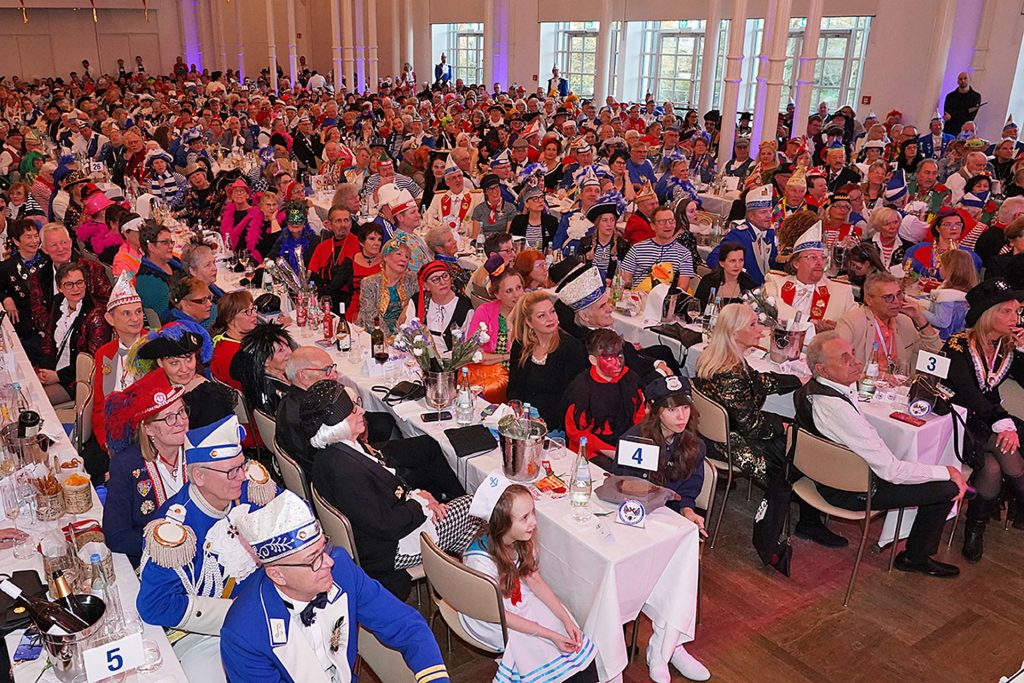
[961,49]
[499,68]
[190,33]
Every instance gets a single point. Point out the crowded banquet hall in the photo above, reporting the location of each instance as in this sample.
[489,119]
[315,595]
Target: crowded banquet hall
[515,341]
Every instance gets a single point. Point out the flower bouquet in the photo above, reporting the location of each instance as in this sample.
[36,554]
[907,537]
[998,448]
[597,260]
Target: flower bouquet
[415,339]
[765,307]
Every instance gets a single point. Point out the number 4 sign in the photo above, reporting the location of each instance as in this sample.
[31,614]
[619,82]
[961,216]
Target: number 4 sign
[639,454]
[114,658]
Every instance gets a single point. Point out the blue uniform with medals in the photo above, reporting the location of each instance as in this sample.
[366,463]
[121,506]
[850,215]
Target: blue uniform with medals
[260,639]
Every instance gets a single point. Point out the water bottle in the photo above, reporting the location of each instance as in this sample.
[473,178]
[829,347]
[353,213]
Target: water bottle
[580,484]
[464,401]
[101,587]
[866,386]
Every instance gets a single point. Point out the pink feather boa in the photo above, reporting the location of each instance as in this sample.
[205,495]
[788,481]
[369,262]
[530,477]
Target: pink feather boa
[251,226]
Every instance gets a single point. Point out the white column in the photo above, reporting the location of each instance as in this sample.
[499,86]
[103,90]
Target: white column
[336,59]
[805,69]
[942,37]
[488,43]
[293,53]
[218,30]
[979,56]
[396,37]
[620,71]
[271,46]
[360,35]
[372,56]
[193,49]
[769,75]
[202,32]
[733,77]
[604,52]
[409,37]
[707,60]
[347,43]
[239,40]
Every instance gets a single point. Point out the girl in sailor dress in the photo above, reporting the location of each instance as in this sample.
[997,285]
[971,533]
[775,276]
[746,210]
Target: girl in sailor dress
[545,645]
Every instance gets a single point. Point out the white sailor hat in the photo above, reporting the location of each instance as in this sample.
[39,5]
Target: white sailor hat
[220,440]
[281,528]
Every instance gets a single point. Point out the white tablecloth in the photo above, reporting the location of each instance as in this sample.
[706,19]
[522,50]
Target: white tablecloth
[720,204]
[604,584]
[127,583]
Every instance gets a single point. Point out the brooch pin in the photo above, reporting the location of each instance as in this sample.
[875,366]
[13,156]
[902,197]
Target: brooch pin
[336,634]
[399,492]
[144,487]
[136,473]
[147,507]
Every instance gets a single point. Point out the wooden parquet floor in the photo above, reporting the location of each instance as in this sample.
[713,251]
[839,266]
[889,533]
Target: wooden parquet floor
[761,627]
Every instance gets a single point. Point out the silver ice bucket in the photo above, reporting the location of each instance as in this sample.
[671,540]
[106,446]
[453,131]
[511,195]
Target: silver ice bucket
[66,651]
[522,443]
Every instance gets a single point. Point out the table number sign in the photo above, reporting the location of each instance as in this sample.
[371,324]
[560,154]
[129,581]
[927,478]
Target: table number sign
[113,658]
[641,454]
[933,364]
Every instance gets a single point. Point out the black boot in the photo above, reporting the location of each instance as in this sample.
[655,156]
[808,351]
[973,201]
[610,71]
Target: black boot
[974,529]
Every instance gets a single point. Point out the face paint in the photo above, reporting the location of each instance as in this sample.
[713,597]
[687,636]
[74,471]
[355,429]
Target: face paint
[610,366]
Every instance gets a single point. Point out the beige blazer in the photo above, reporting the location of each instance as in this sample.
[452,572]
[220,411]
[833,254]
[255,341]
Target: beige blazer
[857,327]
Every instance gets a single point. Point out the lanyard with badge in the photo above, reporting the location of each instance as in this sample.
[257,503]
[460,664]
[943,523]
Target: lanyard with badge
[884,345]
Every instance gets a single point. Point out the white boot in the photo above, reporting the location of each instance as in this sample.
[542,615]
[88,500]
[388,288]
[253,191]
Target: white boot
[657,670]
[688,665]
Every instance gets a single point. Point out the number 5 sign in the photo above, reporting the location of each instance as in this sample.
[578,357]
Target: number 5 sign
[114,658]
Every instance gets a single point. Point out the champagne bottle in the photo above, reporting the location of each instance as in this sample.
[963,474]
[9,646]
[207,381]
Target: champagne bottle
[49,617]
[64,596]
[344,339]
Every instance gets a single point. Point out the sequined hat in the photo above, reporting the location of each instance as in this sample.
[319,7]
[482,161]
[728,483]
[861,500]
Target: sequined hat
[988,294]
[325,403]
[760,197]
[281,528]
[581,290]
[123,291]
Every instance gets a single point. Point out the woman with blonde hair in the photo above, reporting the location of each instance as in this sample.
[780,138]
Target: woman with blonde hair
[385,295]
[544,359]
[884,230]
[758,437]
[981,358]
[949,300]
[765,166]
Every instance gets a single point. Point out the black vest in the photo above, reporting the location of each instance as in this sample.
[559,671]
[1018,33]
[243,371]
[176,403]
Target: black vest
[804,412]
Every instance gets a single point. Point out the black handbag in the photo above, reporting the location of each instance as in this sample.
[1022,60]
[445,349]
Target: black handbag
[403,391]
[929,390]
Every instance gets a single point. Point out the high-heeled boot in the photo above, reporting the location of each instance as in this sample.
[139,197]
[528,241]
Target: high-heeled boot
[974,529]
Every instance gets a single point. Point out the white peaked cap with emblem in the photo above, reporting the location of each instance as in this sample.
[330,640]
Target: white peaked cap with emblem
[401,201]
[220,440]
[450,166]
[810,240]
[487,495]
[387,193]
[760,197]
[123,292]
[281,528]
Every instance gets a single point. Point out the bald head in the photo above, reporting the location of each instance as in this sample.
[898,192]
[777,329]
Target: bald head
[308,365]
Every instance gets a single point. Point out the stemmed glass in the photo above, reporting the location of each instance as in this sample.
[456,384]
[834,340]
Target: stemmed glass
[440,390]
[692,310]
[12,501]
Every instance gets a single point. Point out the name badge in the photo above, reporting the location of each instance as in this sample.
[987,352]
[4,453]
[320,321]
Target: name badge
[278,634]
[631,513]
[641,454]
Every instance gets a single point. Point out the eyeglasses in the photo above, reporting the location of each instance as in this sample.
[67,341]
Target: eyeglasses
[439,278]
[317,563]
[201,300]
[891,298]
[163,242]
[327,369]
[73,284]
[233,473]
[175,418]
[248,311]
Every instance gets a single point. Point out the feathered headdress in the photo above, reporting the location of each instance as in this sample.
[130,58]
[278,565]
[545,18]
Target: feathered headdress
[184,334]
[125,410]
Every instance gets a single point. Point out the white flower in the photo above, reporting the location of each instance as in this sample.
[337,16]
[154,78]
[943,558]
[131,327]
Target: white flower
[483,327]
[478,356]
[484,338]
[417,352]
[457,334]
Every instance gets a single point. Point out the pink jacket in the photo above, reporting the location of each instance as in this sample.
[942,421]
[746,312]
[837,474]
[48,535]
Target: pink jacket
[251,226]
[488,314]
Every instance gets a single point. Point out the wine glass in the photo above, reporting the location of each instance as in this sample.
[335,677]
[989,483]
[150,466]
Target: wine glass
[692,310]
[12,501]
[440,390]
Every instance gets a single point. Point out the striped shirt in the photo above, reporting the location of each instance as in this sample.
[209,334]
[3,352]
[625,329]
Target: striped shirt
[643,255]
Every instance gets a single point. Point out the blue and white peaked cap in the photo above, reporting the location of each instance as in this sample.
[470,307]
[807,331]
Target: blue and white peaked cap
[582,290]
[810,240]
[487,495]
[760,197]
[281,528]
[218,441]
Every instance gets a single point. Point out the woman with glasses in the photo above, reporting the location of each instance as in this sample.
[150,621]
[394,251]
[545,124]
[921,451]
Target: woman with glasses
[236,317]
[439,307]
[75,325]
[835,219]
[158,265]
[946,230]
[146,425]
[190,299]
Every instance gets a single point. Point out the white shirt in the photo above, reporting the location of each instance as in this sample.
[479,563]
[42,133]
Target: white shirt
[62,333]
[314,633]
[843,423]
[172,480]
[317,82]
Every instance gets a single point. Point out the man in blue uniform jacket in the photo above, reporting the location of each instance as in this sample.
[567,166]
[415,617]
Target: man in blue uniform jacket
[193,560]
[755,234]
[299,619]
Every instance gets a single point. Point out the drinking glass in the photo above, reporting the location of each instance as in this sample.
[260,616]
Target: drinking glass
[555,448]
[153,658]
[692,311]
[440,390]
[12,502]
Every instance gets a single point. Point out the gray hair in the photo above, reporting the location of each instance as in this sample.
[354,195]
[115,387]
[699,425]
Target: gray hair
[1009,207]
[880,277]
[437,236]
[190,255]
[816,351]
[343,192]
[50,228]
[298,362]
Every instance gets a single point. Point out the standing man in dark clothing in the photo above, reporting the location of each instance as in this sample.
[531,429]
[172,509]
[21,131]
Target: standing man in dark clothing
[961,105]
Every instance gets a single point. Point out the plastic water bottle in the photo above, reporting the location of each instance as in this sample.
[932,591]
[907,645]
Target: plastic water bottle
[580,485]
[464,401]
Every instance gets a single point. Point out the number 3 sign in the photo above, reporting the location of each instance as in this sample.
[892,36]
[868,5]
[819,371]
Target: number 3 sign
[933,364]
[114,658]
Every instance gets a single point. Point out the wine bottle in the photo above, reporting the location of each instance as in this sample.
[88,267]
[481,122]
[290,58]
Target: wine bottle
[344,334]
[377,348]
[49,617]
[64,596]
